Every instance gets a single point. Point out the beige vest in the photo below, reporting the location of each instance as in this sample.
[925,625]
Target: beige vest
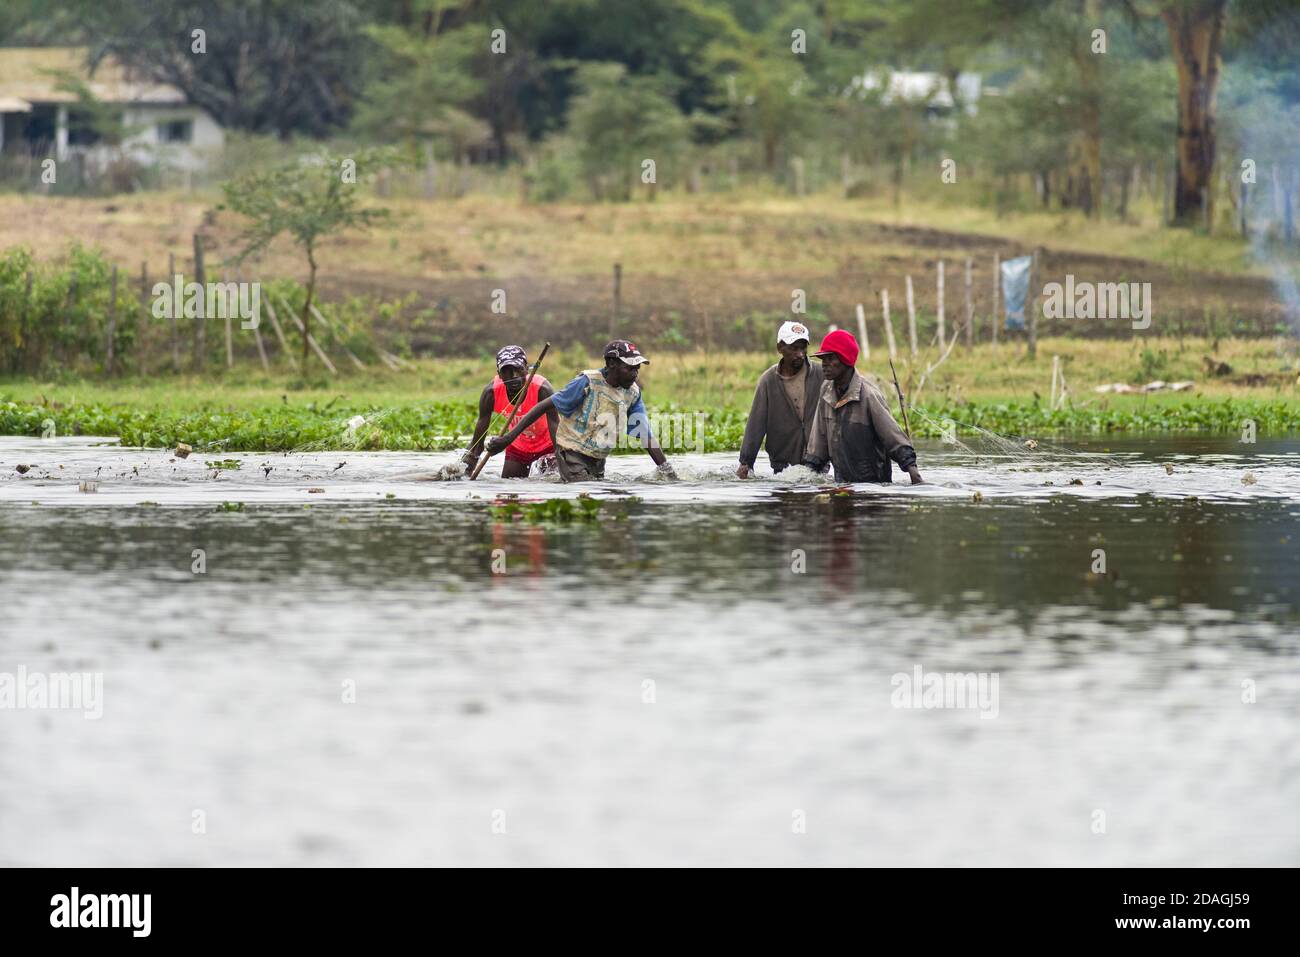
[595,426]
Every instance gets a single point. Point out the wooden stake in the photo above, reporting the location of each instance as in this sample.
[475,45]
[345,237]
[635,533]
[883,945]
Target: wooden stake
[112,323]
[200,330]
[889,325]
[1031,309]
[970,307]
[911,316]
[997,296]
[618,298]
[862,332]
[176,341]
[230,340]
[940,332]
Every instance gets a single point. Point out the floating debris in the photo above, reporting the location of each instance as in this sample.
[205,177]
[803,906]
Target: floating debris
[977,497]
[1249,479]
[315,491]
[1031,444]
[183,451]
[22,469]
[1169,469]
[88,487]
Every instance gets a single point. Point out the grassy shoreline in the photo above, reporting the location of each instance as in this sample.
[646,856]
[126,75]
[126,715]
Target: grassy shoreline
[432,405]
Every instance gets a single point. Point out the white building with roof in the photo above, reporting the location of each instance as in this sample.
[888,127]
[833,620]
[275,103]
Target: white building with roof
[43,111]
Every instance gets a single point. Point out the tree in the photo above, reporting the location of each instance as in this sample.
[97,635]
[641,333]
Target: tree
[620,122]
[310,200]
[265,66]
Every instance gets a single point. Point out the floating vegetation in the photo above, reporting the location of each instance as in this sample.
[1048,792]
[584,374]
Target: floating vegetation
[584,508]
[224,464]
[230,507]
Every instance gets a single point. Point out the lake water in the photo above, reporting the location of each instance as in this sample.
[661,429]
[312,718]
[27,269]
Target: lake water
[710,673]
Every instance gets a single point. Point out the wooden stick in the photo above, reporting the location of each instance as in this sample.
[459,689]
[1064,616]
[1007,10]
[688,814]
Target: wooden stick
[176,342]
[230,340]
[200,331]
[911,316]
[279,333]
[889,325]
[939,307]
[862,331]
[112,323]
[997,296]
[970,308]
[514,411]
[1031,308]
[902,405]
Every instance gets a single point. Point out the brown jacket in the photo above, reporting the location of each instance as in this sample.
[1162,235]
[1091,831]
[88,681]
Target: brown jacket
[772,417]
[857,434]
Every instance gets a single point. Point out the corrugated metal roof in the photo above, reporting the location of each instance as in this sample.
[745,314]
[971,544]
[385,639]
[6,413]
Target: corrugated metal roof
[34,75]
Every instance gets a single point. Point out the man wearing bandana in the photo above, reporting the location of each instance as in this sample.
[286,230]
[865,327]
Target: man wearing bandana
[502,395]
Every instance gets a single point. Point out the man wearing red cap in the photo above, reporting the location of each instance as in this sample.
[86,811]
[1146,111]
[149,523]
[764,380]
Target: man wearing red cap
[853,428]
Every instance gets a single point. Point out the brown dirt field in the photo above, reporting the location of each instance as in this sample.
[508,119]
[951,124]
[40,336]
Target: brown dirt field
[711,275]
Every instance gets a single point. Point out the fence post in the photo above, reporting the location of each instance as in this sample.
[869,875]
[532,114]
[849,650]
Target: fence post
[997,296]
[911,316]
[862,331]
[618,298]
[112,323]
[176,344]
[1031,309]
[939,309]
[200,331]
[970,308]
[889,325]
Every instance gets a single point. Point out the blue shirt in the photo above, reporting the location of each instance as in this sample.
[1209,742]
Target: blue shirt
[568,399]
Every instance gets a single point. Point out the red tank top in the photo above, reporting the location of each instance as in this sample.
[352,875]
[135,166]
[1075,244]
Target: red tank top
[537,437]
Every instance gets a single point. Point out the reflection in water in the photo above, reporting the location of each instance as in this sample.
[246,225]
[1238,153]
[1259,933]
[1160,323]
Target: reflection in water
[475,692]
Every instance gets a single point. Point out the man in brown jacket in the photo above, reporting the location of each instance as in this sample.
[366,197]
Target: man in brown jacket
[784,403]
[853,429]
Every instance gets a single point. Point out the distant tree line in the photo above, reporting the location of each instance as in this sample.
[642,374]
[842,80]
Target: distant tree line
[1080,94]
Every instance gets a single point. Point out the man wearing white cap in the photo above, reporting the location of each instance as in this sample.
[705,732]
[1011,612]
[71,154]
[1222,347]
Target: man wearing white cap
[785,401]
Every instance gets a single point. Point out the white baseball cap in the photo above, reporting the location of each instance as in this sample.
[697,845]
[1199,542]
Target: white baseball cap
[792,332]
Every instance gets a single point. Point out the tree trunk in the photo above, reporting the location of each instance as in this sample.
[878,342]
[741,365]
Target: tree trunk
[306,311]
[1089,65]
[1195,36]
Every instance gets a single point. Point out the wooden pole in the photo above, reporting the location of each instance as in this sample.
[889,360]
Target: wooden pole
[279,333]
[1031,309]
[911,316]
[940,332]
[200,330]
[889,325]
[618,298]
[176,342]
[112,323]
[230,340]
[970,307]
[997,296]
[862,332]
[1056,368]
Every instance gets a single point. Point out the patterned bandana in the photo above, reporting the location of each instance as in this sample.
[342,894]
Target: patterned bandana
[512,356]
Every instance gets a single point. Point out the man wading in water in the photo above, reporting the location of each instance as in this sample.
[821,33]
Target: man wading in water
[784,404]
[591,410]
[853,429]
[533,443]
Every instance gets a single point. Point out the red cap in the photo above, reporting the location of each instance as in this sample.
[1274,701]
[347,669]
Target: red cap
[840,343]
